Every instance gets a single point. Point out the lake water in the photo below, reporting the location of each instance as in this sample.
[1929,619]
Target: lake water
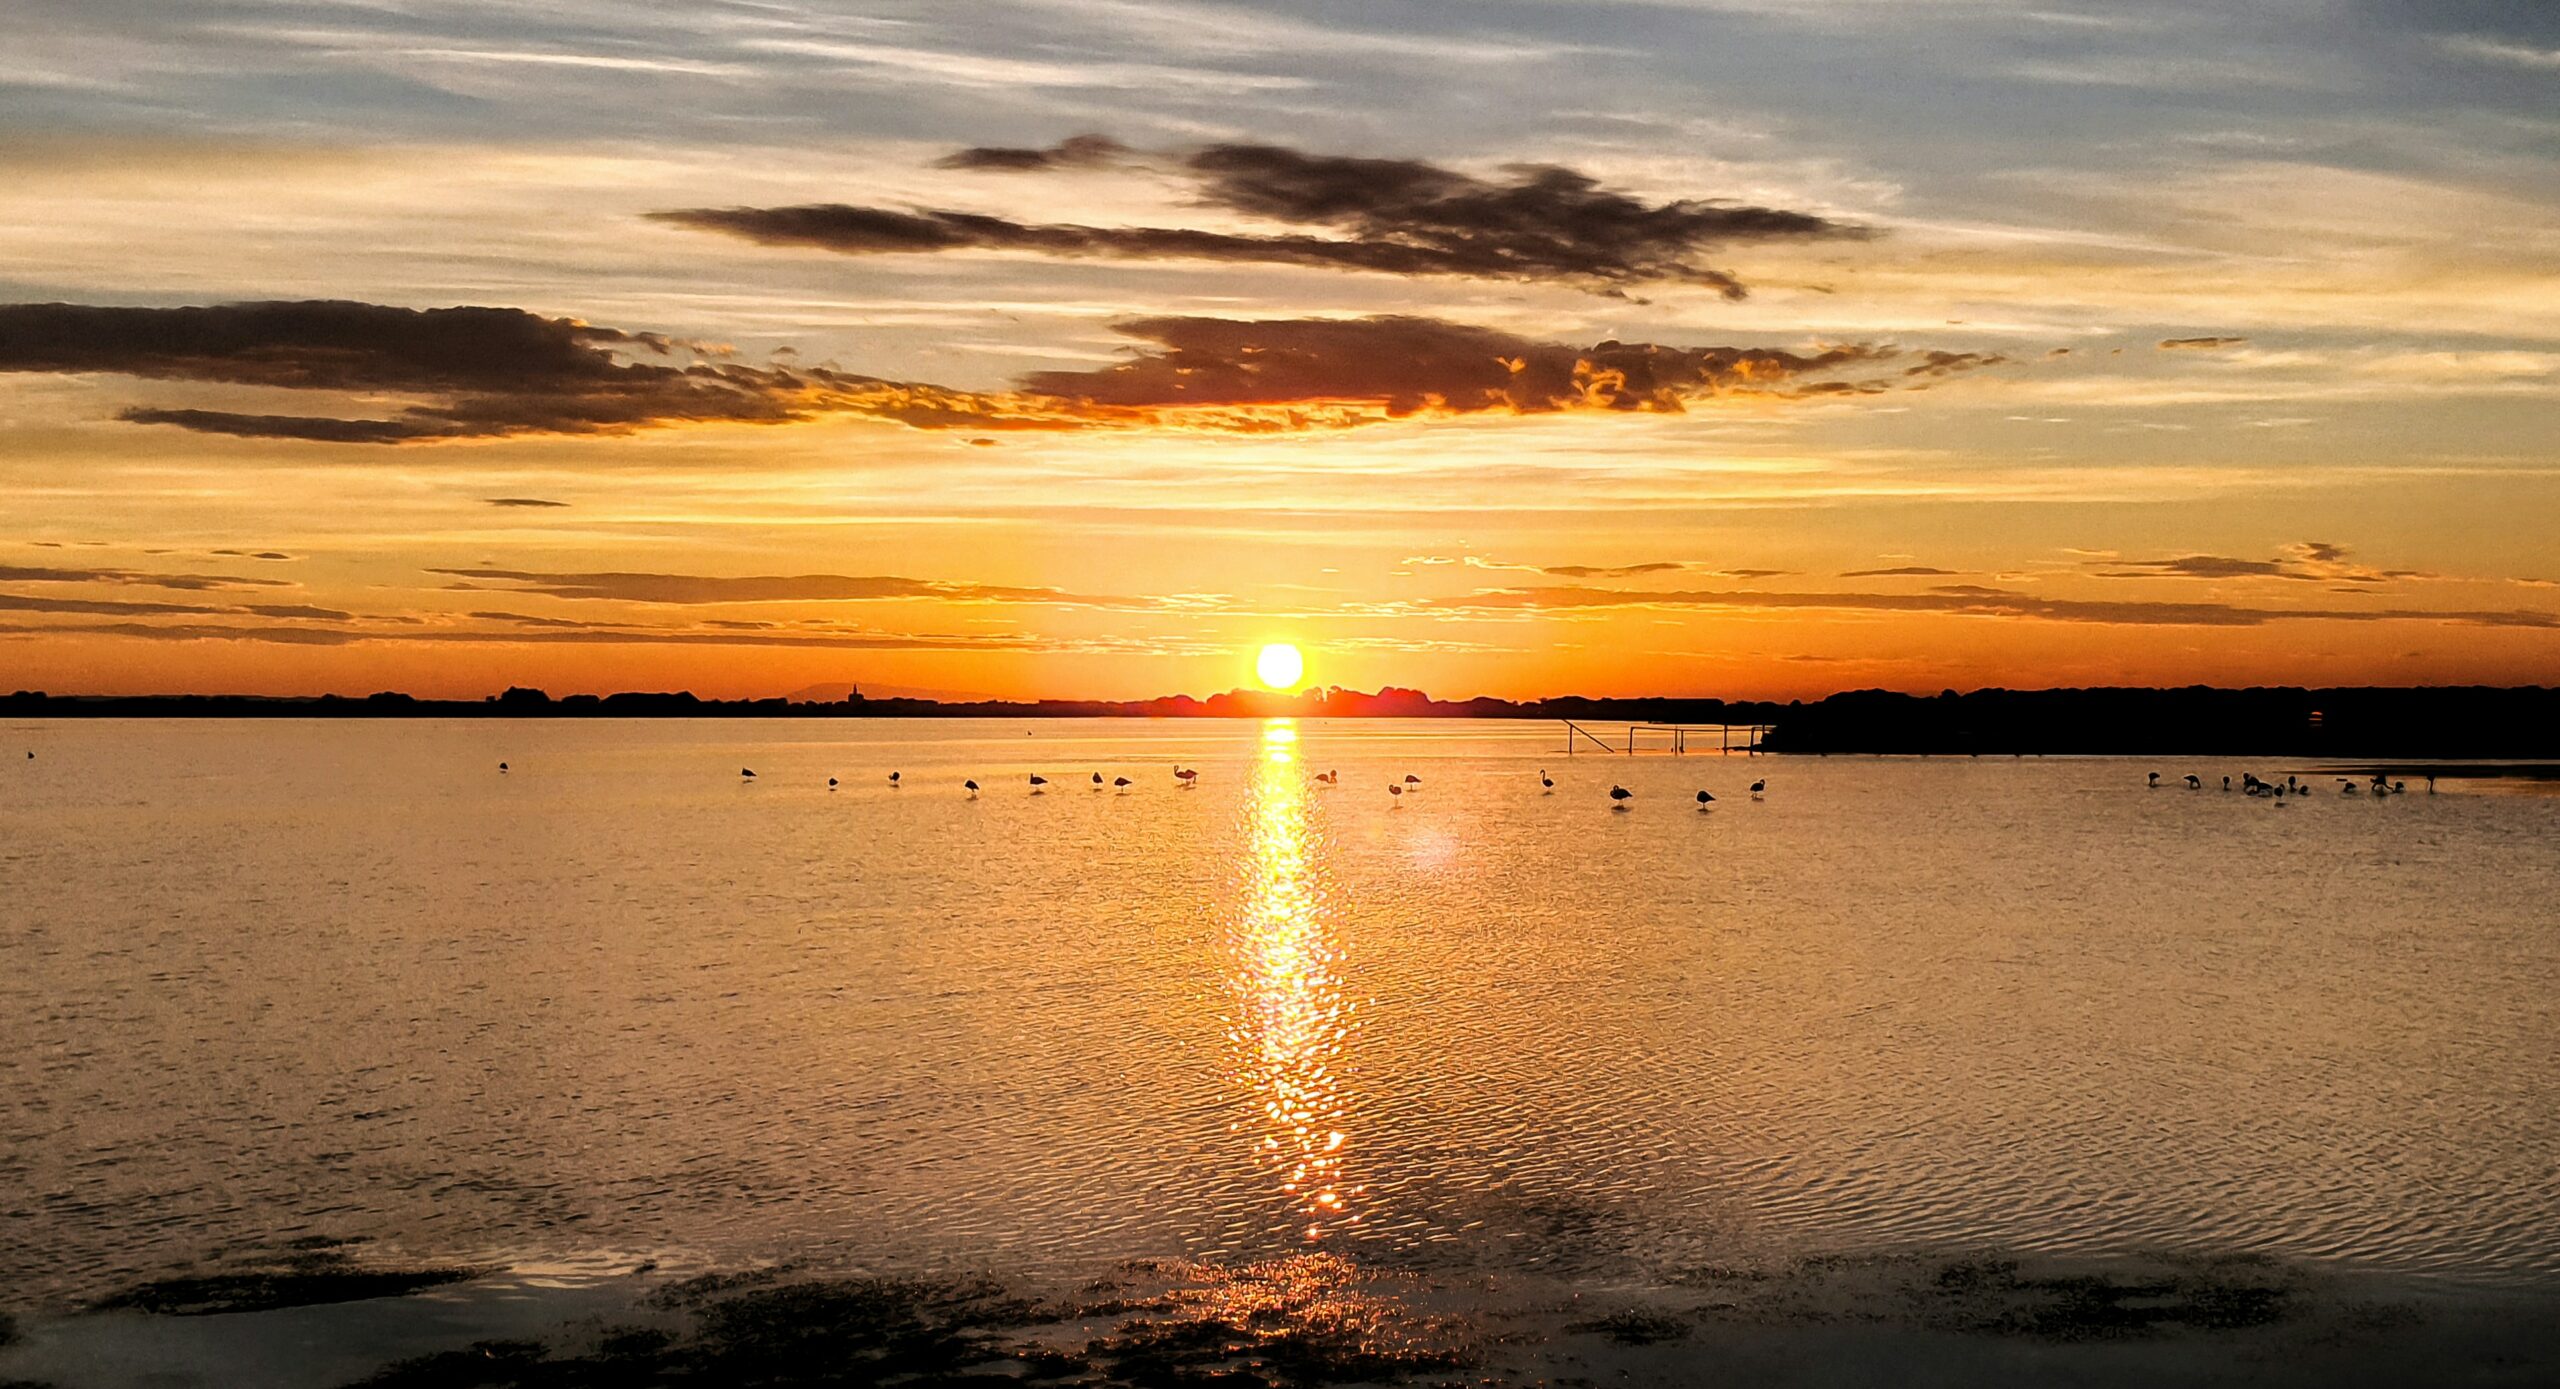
[270,980]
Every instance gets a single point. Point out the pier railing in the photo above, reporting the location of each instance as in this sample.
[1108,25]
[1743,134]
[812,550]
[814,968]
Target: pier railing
[1675,737]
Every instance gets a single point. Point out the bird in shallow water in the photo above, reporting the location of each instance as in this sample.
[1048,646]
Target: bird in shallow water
[1705,799]
[1396,789]
[501,766]
[831,783]
[1621,795]
[747,773]
[1759,786]
[1546,781]
[1187,776]
[2155,779]
[2194,782]
[1037,782]
[1411,780]
[1328,778]
[893,780]
[1097,781]
[1123,783]
[972,787]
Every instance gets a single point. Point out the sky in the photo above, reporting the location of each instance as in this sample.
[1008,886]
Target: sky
[1744,348]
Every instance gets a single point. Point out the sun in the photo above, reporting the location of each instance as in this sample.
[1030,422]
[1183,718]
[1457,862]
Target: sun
[1279,665]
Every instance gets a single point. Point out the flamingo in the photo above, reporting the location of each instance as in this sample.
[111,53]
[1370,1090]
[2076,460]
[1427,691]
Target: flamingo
[1396,790]
[973,789]
[1620,795]
[893,781]
[2155,779]
[747,773]
[831,783]
[1037,782]
[1705,799]
[1546,781]
[1759,786]
[502,767]
[1189,777]
[1097,781]
[1123,783]
[1411,780]
[1328,778]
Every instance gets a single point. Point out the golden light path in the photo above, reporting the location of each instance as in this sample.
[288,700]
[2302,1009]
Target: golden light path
[1291,1021]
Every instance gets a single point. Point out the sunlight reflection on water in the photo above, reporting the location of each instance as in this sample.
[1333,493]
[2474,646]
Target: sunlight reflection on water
[1292,1023]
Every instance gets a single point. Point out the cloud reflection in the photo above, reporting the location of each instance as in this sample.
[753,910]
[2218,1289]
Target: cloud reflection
[1290,1021]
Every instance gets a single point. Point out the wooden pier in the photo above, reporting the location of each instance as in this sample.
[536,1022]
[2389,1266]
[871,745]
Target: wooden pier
[1674,737]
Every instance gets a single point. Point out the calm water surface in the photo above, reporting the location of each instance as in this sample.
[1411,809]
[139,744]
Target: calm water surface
[277,979]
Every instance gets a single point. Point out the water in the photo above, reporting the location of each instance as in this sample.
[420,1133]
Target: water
[268,980]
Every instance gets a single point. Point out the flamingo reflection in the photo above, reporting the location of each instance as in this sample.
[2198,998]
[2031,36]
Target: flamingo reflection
[1290,1020]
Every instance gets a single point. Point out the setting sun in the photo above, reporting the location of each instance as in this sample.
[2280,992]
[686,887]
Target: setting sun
[1279,666]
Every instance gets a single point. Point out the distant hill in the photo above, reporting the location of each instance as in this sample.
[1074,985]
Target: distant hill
[830,694]
[2425,722]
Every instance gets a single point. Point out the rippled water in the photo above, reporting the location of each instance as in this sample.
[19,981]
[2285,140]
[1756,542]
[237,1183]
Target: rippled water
[269,980]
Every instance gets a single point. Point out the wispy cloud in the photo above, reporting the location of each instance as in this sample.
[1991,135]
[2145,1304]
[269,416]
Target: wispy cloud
[1983,601]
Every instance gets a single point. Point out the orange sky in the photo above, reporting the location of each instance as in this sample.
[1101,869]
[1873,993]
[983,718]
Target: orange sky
[1606,349]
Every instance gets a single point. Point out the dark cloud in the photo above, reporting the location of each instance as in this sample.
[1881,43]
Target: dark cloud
[488,372]
[2309,561]
[1073,152]
[532,375]
[24,603]
[1981,601]
[1406,366]
[1586,571]
[1935,363]
[521,501]
[2203,567]
[1900,571]
[772,588]
[1394,216]
[2198,344]
[184,583]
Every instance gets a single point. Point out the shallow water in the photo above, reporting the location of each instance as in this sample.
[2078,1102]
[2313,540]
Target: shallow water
[269,980]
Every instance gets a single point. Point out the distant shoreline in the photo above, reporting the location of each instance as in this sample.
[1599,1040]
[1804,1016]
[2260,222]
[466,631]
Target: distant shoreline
[2450,722]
